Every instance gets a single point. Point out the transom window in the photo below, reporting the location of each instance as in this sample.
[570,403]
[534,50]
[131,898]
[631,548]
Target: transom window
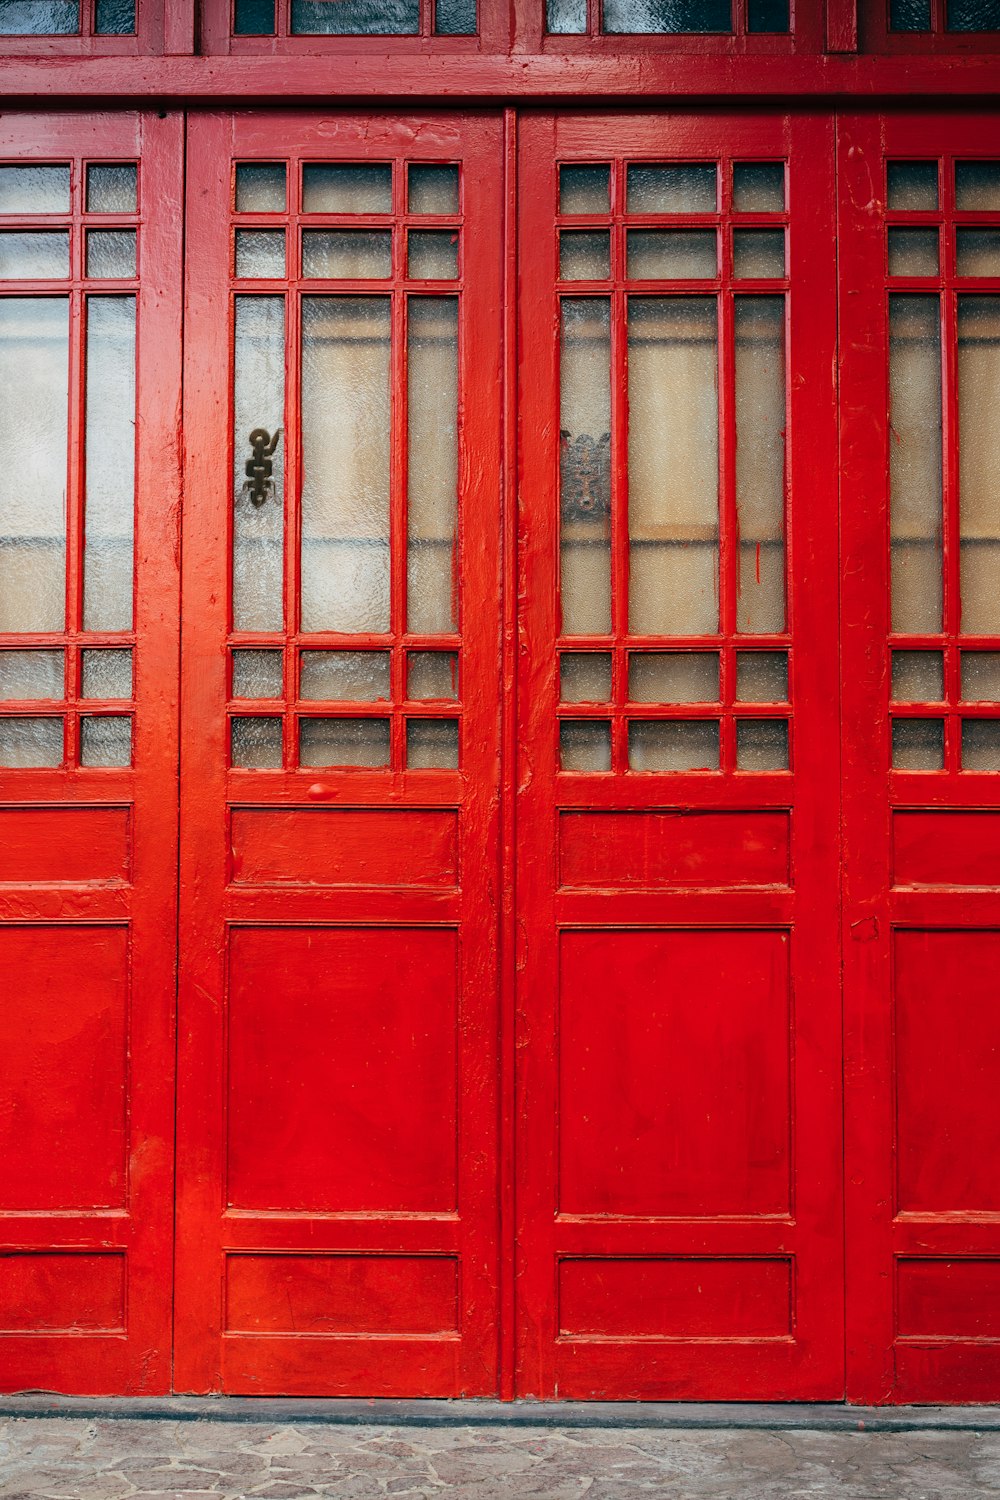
[67,17]
[666,17]
[353,17]
[935,16]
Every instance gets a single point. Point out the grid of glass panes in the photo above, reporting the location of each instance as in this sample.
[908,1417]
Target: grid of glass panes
[667,17]
[67,18]
[69,235]
[943,263]
[346,291]
[291,18]
[936,16]
[673,651]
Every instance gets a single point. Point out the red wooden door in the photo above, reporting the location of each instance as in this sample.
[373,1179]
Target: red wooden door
[920,341]
[337,1012]
[679,1188]
[90,242]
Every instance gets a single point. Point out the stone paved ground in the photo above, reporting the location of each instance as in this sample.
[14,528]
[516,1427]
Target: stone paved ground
[98,1459]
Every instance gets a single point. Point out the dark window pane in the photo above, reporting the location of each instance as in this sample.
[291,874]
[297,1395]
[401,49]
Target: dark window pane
[566,17]
[912,185]
[767,15]
[355,17]
[909,15]
[650,16]
[114,17]
[39,17]
[455,17]
[254,18]
[974,15]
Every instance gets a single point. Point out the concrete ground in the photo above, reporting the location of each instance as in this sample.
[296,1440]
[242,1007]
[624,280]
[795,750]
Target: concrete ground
[94,1455]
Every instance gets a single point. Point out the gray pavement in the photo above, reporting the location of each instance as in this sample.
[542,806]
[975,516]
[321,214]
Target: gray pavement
[179,1455]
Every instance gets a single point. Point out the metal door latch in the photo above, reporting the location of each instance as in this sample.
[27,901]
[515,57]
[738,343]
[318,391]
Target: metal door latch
[259,484]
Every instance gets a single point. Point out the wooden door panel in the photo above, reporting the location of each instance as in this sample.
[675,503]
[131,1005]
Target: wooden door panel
[88,753]
[338,1097]
[679,1116]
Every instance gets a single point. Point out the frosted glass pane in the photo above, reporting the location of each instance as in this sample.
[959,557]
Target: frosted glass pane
[260,187]
[111,254]
[973,15]
[673,677]
[585,676]
[111,189]
[39,17]
[114,17]
[432,254]
[979,474]
[341,253]
[356,676]
[978,252]
[672,189]
[34,190]
[912,185]
[346,426]
[758,187]
[977,185]
[31,742]
[584,255]
[584,188]
[33,254]
[256,743]
[913,252]
[673,745]
[258,404]
[585,465]
[981,676]
[673,448]
[257,674]
[346,188]
[981,745]
[758,253]
[915,462]
[260,252]
[355,18]
[432,189]
[106,741]
[110,464]
[649,16]
[106,674]
[432,674]
[909,15]
[431,744]
[344,742]
[432,472]
[761,419]
[566,17]
[918,744]
[678,254]
[34,375]
[762,744]
[584,745]
[31,674]
[761,677]
[917,676]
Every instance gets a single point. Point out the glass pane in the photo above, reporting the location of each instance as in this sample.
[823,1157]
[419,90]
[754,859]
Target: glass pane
[253,18]
[981,676]
[347,252]
[978,252]
[977,185]
[974,15]
[110,466]
[758,187]
[671,189]
[761,418]
[346,187]
[455,17]
[584,256]
[431,743]
[106,741]
[584,189]
[979,476]
[110,253]
[762,744]
[260,252]
[585,465]
[584,745]
[356,676]
[346,409]
[918,744]
[432,674]
[909,15]
[114,17]
[432,189]
[673,677]
[917,676]
[646,16]
[981,745]
[27,254]
[673,745]
[758,253]
[34,190]
[767,15]
[257,674]
[34,376]
[106,674]
[913,252]
[432,255]
[355,18]
[31,742]
[761,677]
[915,462]
[662,254]
[112,190]
[39,18]
[344,742]
[566,17]
[31,674]
[673,457]
[260,187]
[432,473]
[256,743]
[912,185]
[258,408]
[585,676]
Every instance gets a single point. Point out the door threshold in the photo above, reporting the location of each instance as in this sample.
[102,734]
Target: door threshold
[663,1415]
